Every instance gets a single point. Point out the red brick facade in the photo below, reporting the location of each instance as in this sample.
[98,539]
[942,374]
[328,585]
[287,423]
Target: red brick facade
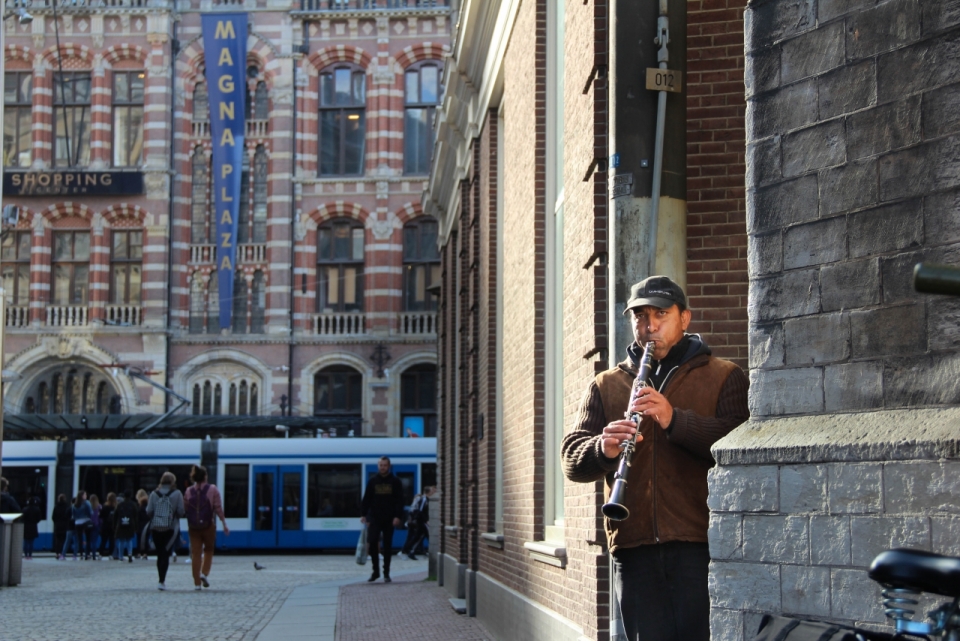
[508,565]
[279,272]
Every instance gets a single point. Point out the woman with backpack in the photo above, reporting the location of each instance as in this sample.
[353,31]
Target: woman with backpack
[164,509]
[203,503]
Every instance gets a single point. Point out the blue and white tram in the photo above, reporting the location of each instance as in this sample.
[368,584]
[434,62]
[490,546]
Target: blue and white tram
[31,467]
[277,493]
[305,493]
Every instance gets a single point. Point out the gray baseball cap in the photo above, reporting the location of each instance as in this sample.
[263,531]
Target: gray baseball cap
[657,291]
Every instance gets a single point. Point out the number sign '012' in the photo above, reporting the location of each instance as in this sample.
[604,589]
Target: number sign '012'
[664,80]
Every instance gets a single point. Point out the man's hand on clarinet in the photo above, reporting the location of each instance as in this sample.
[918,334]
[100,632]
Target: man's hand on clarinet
[615,434]
[652,403]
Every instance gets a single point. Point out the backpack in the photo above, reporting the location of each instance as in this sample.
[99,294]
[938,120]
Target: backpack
[162,513]
[198,507]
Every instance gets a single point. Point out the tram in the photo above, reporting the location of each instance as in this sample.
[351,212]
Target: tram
[287,493]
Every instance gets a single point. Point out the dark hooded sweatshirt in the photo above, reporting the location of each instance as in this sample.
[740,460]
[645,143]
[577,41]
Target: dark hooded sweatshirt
[667,484]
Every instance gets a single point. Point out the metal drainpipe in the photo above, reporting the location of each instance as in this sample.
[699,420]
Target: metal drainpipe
[174,50]
[662,39]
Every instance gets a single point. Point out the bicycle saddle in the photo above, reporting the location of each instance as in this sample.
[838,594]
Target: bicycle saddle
[923,571]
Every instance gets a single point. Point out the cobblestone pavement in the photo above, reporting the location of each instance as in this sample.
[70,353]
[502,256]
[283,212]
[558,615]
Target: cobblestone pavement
[409,608]
[119,601]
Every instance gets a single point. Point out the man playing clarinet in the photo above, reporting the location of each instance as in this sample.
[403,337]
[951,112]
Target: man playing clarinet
[692,399]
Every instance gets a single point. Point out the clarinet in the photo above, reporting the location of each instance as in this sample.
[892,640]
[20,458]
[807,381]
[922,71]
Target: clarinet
[614,509]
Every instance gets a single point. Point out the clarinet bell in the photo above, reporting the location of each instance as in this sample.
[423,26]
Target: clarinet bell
[614,509]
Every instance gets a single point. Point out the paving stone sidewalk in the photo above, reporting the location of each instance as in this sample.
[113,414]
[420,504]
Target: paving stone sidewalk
[409,608]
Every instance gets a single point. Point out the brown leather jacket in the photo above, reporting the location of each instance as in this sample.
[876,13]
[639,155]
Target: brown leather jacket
[667,484]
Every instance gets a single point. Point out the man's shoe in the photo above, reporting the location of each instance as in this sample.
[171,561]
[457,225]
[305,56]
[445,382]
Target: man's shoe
[387,579]
[161,587]
[412,556]
[373,577]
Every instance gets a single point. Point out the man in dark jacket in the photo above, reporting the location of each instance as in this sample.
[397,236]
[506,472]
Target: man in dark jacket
[382,508]
[692,399]
[8,504]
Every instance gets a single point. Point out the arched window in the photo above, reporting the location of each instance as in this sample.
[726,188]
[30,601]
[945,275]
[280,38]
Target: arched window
[217,399]
[260,195]
[260,104]
[418,400]
[342,120]
[213,304]
[243,398]
[421,94]
[71,267]
[71,116]
[258,303]
[201,102]
[70,389]
[338,390]
[126,267]
[207,398]
[239,304]
[198,197]
[196,304]
[196,399]
[243,209]
[421,264]
[254,399]
[340,266]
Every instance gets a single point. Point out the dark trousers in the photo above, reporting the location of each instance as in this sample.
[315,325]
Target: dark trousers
[415,535]
[662,591]
[161,540]
[374,530]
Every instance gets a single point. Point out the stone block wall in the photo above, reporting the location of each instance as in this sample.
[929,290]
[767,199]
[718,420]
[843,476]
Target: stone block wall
[853,146]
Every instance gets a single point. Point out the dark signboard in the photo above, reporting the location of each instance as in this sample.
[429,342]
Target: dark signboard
[72,183]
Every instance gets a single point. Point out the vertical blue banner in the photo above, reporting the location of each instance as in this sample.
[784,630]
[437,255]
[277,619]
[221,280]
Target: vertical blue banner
[225,57]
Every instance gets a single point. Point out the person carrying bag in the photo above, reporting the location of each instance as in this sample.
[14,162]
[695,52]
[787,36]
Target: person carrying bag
[164,510]
[203,507]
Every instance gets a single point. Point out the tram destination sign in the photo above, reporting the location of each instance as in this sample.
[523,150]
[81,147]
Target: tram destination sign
[72,183]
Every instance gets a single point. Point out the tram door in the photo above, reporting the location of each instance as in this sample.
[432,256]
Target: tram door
[408,478]
[278,506]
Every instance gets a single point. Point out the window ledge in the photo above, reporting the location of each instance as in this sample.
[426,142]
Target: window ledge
[492,539]
[452,530]
[550,552]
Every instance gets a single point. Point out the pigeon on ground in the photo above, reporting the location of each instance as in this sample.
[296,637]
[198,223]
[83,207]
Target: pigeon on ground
[257,566]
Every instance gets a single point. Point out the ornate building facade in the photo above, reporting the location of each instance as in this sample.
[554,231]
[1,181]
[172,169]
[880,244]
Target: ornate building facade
[107,270]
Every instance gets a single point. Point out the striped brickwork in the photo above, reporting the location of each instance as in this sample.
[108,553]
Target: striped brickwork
[104,40]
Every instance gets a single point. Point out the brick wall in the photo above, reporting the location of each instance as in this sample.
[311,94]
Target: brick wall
[716,220]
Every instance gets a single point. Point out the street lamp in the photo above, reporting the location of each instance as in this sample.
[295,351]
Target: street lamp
[24,17]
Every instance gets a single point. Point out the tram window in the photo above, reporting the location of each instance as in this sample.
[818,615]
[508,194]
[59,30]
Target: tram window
[26,483]
[333,491]
[103,479]
[236,490]
[406,479]
[428,475]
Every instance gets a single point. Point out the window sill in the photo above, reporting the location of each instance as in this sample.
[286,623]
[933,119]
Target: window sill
[451,530]
[492,539]
[550,552]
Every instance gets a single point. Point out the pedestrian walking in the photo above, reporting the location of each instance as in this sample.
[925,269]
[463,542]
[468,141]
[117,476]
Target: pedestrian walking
[203,506]
[417,530]
[93,535]
[164,509]
[107,539]
[143,534]
[31,517]
[381,509]
[691,400]
[62,518]
[126,519]
[8,504]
